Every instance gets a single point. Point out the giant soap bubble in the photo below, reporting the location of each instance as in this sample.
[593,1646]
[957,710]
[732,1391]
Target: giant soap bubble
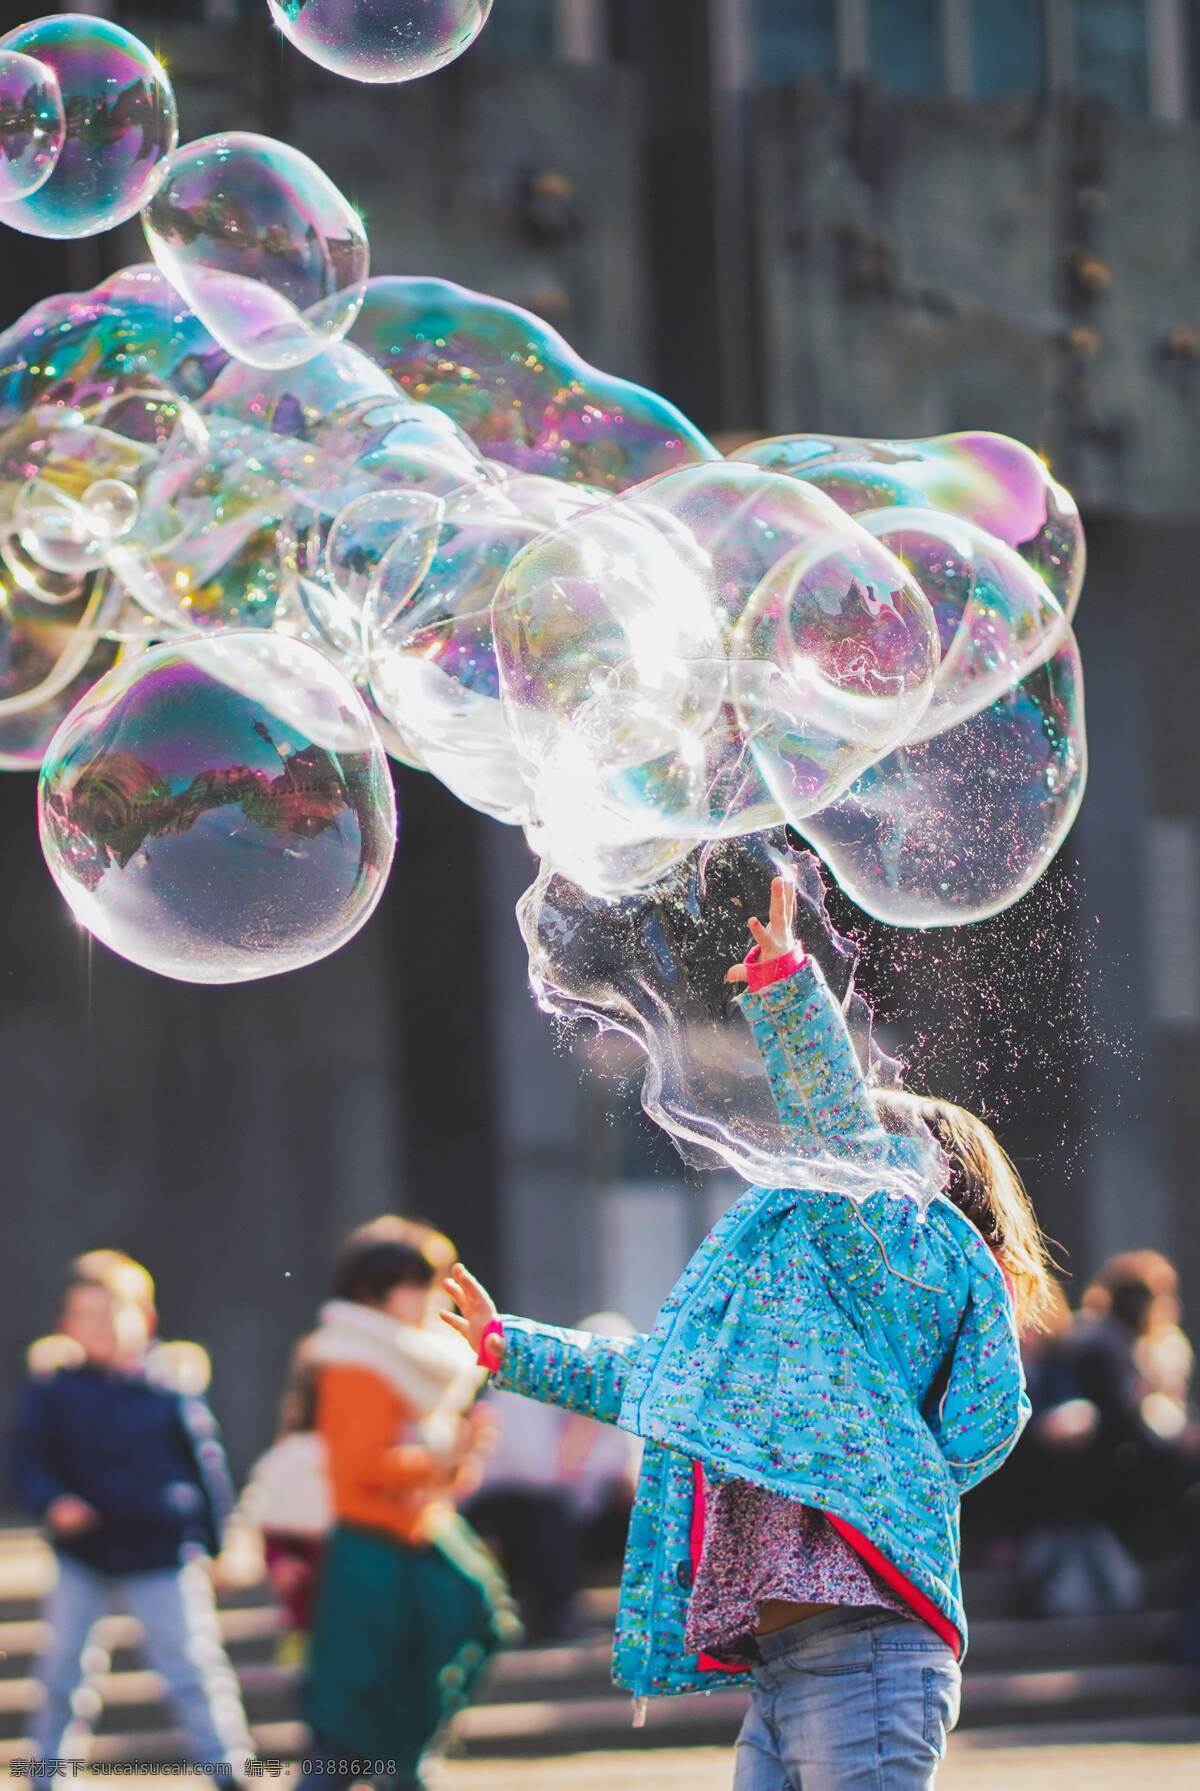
[451,537]
[219,810]
[381,40]
[522,394]
[120,126]
[959,826]
[432,665]
[33,125]
[998,484]
[261,244]
[716,651]
[133,331]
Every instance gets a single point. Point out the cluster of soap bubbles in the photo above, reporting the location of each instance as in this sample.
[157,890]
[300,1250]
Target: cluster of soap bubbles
[266,520]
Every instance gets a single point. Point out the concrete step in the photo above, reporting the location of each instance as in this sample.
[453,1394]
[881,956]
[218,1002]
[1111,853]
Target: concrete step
[134,1699]
[250,1633]
[562,1720]
[1004,1654]
[1126,1696]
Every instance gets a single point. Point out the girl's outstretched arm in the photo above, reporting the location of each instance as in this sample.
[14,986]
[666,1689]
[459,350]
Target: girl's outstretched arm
[800,1032]
[578,1370]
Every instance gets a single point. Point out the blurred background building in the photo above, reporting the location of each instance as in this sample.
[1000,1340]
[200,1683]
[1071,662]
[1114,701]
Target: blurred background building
[900,217]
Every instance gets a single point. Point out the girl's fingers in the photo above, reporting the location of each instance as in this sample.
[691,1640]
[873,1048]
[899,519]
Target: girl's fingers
[737,974]
[760,934]
[456,1323]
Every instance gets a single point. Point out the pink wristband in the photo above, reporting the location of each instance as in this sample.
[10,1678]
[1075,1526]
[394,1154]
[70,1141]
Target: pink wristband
[493,1329]
[761,976]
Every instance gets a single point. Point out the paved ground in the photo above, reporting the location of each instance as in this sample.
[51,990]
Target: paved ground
[975,1764]
[1109,1767]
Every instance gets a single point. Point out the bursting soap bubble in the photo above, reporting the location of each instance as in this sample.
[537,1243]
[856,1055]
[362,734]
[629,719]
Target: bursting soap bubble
[219,810]
[642,978]
[120,126]
[265,249]
[33,125]
[381,40]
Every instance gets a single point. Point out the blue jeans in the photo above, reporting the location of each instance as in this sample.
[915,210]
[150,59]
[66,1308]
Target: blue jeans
[854,1700]
[181,1639]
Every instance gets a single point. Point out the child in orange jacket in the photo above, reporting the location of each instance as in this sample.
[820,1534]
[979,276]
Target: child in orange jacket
[410,1605]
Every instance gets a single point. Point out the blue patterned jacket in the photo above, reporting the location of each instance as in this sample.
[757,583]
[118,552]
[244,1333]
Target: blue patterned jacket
[858,1355]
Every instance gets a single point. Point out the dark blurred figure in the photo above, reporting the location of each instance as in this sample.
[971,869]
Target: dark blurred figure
[1106,1480]
[555,1500]
[118,1456]
[1128,1356]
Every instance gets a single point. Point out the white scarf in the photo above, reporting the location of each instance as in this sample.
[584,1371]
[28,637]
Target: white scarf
[432,1370]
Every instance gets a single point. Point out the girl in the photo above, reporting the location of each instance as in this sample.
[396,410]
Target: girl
[410,1605]
[824,1380]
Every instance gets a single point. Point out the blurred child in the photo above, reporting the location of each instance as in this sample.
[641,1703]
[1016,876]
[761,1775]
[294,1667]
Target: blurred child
[127,1474]
[410,1606]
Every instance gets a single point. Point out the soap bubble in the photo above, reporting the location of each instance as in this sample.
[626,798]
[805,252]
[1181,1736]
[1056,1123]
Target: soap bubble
[998,484]
[206,554]
[261,244]
[120,126]
[131,332]
[647,973]
[33,126]
[52,651]
[962,825]
[715,652]
[432,669]
[381,40]
[219,810]
[517,389]
[996,618]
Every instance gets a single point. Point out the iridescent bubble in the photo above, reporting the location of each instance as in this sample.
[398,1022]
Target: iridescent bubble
[52,651]
[132,332]
[723,647]
[33,126]
[646,972]
[432,664]
[120,126]
[381,40]
[204,554]
[962,825]
[996,618]
[219,810]
[261,244]
[518,389]
[998,484]
[380,550]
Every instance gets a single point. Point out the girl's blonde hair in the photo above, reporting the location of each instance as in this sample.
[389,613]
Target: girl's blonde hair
[985,1185]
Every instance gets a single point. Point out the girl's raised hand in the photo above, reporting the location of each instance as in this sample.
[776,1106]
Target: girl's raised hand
[476,1311]
[777,938]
